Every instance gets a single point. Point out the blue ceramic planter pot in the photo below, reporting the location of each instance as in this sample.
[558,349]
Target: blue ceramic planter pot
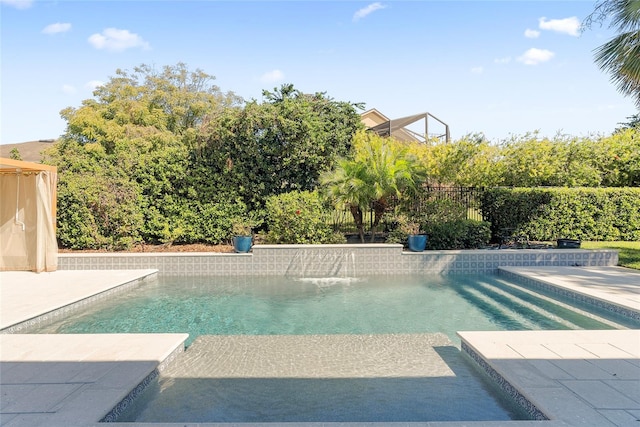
[242,244]
[417,242]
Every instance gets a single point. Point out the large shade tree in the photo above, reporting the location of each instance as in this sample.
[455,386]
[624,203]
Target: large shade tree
[164,156]
[280,145]
[123,160]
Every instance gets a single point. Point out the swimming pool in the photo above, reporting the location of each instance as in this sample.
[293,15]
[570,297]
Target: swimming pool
[202,305]
[382,308]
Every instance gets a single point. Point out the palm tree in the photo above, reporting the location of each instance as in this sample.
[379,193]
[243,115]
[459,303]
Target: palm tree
[620,56]
[380,169]
[348,185]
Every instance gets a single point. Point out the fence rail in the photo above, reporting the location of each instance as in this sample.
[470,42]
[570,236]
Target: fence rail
[466,199]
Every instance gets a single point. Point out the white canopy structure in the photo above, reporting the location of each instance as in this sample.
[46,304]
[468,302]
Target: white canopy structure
[399,128]
[28,216]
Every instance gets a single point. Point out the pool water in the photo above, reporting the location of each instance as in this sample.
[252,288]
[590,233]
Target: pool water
[411,308]
[202,305]
[322,378]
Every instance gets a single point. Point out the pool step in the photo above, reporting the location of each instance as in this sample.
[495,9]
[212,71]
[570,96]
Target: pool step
[530,305]
[537,297]
[516,307]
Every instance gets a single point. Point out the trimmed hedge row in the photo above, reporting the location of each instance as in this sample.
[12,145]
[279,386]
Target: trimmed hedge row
[546,214]
[460,234]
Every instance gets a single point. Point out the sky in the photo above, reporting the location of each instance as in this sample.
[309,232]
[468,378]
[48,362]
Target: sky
[500,68]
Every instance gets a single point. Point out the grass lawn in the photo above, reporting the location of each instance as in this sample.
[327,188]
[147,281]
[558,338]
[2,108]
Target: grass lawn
[628,252]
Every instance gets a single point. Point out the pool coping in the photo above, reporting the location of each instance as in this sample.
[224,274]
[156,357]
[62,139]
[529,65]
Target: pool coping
[577,377]
[40,313]
[628,307]
[359,260]
[78,379]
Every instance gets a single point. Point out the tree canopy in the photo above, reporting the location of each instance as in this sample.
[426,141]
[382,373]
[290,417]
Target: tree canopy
[277,146]
[166,156]
[531,160]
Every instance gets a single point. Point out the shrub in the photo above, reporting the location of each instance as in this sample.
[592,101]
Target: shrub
[550,213]
[183,222]
[438,211]
[98,212]
[460,234]
[455,234]
[298,217]
[400,227]
[211,222]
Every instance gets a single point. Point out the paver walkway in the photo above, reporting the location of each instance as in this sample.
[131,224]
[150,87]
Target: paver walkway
[75,380]
[584,378]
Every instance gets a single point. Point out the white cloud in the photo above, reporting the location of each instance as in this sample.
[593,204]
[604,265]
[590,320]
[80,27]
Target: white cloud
[569,26]
[93,84]
[115,40]
[56,28]
[535,56]
[361,13]
[531,34]
[68,89]
[273,76]
[504,60]
[18,4]
[477,70]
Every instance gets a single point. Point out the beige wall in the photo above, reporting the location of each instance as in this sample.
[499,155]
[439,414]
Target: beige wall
[372,118]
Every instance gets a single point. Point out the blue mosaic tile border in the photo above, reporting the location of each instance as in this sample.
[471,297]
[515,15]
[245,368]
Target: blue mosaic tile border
[505,385]
[62,312]
[586,299]
[121,407]
[358,260]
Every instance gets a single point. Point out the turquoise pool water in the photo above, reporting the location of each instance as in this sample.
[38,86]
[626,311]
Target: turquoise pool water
[236,306]
[284,306]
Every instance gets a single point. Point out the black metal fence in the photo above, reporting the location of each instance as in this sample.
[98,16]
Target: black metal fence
[466,199]
[434,201]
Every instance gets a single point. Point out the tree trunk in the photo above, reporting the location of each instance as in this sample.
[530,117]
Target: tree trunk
[379,208]
[356,212]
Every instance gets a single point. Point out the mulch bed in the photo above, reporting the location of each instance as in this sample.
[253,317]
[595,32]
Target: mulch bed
[159,248]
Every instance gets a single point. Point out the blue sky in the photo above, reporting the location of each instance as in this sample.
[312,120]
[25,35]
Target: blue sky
[498,67]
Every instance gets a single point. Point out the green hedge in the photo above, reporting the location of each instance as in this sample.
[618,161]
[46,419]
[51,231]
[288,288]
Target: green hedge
[98,213]
[299,217]
[546,214]
[461,234]
[454,234]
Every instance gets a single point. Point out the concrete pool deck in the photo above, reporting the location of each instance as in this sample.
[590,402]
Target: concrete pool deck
[27,295]
[576,378]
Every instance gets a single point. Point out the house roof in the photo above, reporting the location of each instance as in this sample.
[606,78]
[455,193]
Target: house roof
[398,128]
[373,117]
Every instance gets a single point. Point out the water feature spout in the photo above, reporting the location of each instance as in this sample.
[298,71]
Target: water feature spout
[322,263]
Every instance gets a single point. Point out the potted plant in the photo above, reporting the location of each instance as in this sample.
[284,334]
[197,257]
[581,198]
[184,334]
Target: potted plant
[416,240]
[242,236]
[409,230]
